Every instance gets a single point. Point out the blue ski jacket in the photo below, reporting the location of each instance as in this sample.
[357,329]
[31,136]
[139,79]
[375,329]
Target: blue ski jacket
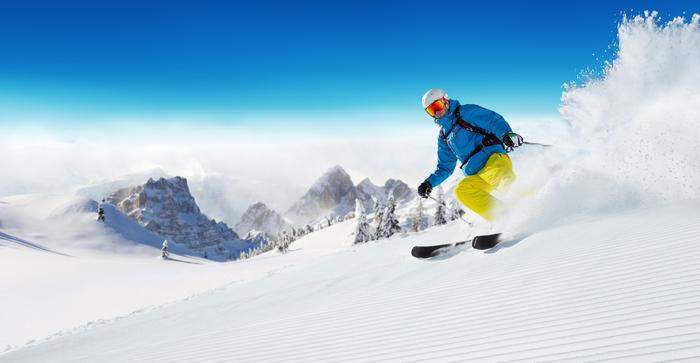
[458,142]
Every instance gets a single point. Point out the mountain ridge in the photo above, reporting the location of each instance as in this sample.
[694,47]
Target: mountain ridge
[333,195]
[166,207]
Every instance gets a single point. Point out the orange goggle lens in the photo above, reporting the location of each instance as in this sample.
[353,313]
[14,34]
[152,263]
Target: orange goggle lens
[436,107]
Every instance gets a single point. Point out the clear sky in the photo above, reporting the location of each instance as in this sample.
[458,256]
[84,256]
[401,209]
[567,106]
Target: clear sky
[236,63]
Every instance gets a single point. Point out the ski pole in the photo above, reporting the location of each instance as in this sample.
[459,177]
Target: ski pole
[461,217]
[536,144]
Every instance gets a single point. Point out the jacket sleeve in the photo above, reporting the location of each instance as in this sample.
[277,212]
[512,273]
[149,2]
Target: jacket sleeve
[445,164]
[488,120]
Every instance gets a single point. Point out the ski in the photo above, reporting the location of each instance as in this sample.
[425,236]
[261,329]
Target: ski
[432,251]
[483,242]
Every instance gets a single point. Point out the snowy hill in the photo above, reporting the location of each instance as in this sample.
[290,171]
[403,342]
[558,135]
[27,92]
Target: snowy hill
[166,207]
[588,290]
[259,217]
[68,223]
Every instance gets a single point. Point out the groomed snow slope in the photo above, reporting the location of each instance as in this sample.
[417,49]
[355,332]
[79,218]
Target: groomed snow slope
[608,287]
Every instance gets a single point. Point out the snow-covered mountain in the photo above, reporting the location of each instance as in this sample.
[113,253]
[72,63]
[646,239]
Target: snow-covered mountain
[259,217]
[166,207]
[258,237]
[334,194]
[368,191]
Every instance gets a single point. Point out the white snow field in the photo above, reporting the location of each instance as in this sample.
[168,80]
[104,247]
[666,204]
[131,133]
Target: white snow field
[612,287]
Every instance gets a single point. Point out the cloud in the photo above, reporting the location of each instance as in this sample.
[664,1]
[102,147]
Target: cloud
[242,164]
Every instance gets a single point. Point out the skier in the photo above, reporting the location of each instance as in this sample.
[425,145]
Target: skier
[478,139]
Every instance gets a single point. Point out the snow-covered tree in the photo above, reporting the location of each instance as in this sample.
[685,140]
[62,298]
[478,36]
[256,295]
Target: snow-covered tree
[363,232]
[309,229]
[390,225]
[101,213]
[283,243]
[455,211]
[440,211]
[164,253]
[378,219]
[418,216]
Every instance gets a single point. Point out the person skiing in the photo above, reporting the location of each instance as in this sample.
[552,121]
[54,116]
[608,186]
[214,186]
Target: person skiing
[479,140]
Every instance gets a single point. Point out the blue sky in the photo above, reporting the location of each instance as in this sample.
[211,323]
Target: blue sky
[92,63]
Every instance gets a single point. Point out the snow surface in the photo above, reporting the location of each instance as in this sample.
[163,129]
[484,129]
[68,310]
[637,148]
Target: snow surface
[622,286]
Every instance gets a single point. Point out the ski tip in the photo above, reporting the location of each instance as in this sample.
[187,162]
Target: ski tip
[486,242]
[421,252]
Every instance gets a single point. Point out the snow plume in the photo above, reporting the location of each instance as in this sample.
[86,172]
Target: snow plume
[634,130]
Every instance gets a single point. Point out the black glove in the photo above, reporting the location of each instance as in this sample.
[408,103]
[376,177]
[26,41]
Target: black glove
[512,140]
[424,189]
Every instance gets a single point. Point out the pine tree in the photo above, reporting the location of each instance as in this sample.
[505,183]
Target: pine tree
[440,211]
[283,242]
[417,216]
[455,211]
[362,231]
[101,214]
[390,225]
[378,217]
[164,249]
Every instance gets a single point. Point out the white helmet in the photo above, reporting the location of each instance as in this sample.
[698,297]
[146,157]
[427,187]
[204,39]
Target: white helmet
[433,95]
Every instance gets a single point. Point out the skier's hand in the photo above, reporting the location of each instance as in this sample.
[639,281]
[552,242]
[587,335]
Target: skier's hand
[512,140]
[424,189]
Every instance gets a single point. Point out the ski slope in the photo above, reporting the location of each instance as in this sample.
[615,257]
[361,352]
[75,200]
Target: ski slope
[624,286]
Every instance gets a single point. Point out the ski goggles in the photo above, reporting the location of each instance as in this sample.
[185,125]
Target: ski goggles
[436,107]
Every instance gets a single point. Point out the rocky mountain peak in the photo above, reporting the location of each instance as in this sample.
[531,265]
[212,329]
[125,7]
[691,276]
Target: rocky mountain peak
[399,190]
[166,207]
[335,180]
[261,218]
[332,194]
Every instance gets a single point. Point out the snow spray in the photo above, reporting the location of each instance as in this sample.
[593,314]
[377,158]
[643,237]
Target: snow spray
[635,130]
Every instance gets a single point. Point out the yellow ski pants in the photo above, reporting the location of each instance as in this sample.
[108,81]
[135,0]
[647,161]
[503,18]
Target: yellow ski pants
[474,190]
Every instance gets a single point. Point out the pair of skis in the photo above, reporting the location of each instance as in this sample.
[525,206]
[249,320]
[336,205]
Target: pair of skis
[483,242]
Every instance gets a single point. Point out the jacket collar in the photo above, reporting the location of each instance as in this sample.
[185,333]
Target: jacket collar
[448,120]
